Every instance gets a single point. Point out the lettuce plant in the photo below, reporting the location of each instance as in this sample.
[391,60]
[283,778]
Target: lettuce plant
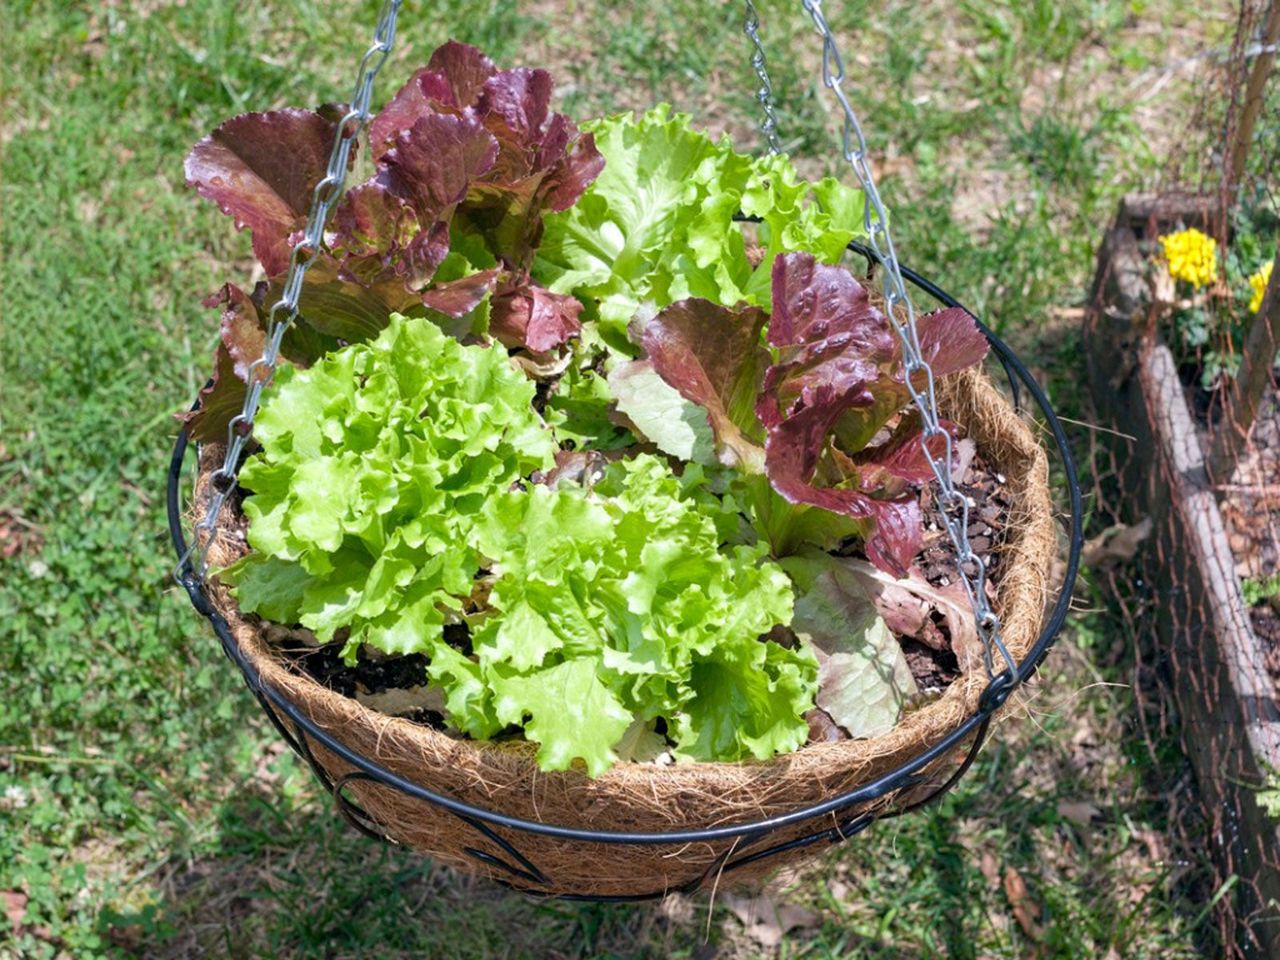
[388,500]
[375,463]
[810,405]
[578,414]
[463,152]
[662,221]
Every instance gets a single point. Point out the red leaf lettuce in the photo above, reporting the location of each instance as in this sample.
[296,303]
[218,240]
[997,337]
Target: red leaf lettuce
[816,414]
[467,158]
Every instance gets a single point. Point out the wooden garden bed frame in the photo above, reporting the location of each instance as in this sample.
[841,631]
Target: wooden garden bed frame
[1228,709]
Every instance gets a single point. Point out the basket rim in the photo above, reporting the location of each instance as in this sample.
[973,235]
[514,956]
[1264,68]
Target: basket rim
[991,699]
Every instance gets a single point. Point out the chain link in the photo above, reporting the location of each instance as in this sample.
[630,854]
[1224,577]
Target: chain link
[953,505]
[764,95]
[285,310]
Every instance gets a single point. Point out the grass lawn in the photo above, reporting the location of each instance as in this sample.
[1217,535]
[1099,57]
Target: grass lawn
[146,809]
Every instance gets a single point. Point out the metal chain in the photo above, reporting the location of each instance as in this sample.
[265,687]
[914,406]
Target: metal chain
[285,310]
[764,95]
[953,505]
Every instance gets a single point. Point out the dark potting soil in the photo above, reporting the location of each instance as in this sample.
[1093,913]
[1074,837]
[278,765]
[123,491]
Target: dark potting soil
[326,666]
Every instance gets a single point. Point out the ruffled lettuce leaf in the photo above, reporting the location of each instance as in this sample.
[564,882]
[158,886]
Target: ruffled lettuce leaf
[620,242]
[748,700]
[660,223]
[630,570]
[374,462]
[820,218]
[568,710]
[392,473]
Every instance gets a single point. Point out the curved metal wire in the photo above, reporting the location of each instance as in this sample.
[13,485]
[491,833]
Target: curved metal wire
[750,833]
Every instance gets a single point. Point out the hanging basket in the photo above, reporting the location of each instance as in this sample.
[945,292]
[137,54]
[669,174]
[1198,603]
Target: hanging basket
[643,830]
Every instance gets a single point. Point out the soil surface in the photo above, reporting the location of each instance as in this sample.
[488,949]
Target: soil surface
[1251,507]
[932,668]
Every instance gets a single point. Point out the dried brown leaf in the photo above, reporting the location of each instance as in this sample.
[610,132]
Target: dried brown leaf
[15,908]
[767,921]
[1025,910]
[1078,811]
[1116,544]
[400,701]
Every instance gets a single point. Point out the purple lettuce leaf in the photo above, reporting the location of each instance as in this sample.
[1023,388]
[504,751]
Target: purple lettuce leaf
[261,169]
[891,467]
[396,224]
[451,82]
[529,316]
[516,107]
[466,146]
[242,337]
[570,178]
[543,164]
[465,69]
[426,91]
[949,342]
[241,329]
[821,312]
[456,298]
[837,384]
[377,235]
[713,356]
[522,314]
[537,160]
[433,164]
[339,309]
[217,402]
[462,148]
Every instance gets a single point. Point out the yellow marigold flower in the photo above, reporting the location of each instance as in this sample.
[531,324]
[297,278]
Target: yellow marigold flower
[1259,283]
[1192,256]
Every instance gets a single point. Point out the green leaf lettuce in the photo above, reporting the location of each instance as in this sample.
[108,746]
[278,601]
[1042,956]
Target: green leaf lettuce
[393,496]
[658,224]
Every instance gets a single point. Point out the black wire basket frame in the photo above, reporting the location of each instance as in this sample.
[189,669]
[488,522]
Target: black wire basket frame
[298,730]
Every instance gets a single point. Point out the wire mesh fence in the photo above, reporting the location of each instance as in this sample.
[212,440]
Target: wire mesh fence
[1189,480]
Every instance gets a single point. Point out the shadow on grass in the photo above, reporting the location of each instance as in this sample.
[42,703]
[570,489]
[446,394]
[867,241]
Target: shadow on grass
[292,880]
[279,874]
[286,877]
